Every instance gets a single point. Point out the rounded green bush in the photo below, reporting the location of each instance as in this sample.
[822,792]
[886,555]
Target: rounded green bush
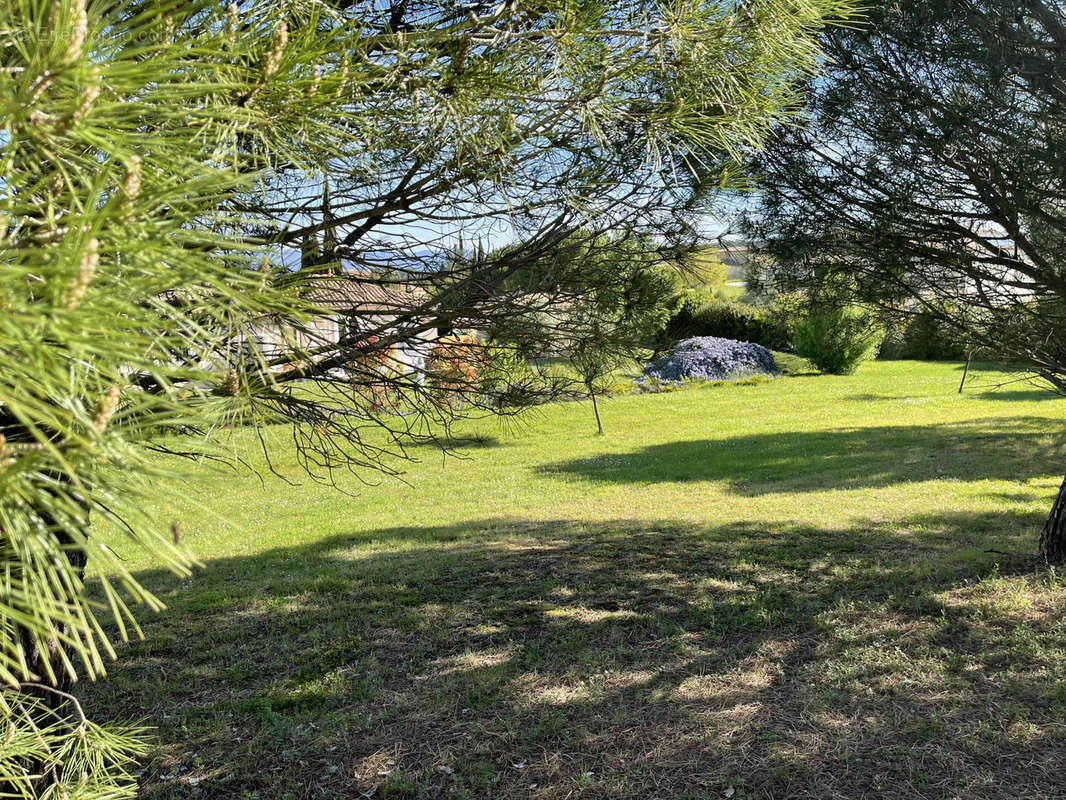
[837,339]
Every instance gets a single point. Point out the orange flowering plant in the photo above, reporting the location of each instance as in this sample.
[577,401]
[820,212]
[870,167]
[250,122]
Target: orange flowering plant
[453,366]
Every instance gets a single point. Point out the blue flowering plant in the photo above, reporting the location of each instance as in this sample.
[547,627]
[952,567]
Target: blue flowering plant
[710,358]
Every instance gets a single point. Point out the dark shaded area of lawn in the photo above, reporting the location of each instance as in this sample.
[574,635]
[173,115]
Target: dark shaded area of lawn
[622,659]
[1018,395]
[802,461]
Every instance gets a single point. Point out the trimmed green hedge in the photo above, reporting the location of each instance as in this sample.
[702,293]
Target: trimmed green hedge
[701,314]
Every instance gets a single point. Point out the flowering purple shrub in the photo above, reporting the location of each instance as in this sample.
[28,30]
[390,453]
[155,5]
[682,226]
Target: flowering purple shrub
[712,359]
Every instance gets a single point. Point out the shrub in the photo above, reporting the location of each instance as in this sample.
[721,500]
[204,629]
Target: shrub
[836,339]
[711,358]
[925,337]
[452,366]
[503,375]
[702,315]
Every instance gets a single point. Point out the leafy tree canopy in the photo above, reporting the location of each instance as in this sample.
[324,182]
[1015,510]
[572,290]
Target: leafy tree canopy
[931,173]
[932,179]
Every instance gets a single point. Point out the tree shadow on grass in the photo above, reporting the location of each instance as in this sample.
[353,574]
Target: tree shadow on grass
[849,458]
[623,659]
[452,443]
[1019,395]
[870,397]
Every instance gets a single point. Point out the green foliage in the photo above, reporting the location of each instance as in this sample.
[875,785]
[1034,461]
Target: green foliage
[699,314]
[633,296]
[959,209]
[125,286]
[611,325]
[92,764]
[502,367]
[705,272]
[926,336]
[837,338]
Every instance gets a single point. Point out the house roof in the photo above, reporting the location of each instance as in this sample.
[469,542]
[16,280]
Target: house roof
[359,291]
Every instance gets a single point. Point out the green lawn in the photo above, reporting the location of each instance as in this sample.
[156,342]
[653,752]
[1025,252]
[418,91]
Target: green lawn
[816,587]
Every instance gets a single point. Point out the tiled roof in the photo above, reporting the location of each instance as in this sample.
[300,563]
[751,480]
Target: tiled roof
[358,291]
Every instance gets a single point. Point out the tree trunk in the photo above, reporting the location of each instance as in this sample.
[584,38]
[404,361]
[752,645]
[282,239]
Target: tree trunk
[36,655]
[596,409]
[57,703]
[1053,535]
[13,431]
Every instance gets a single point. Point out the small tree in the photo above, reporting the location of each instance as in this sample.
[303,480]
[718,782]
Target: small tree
[594,361]
[705,272]
[618,318]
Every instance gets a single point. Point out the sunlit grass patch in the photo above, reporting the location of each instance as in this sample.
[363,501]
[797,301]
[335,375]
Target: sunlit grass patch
[786,589]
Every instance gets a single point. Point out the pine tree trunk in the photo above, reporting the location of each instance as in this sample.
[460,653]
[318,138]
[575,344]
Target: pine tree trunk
[37,656]
[596,409]
[1053,536]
